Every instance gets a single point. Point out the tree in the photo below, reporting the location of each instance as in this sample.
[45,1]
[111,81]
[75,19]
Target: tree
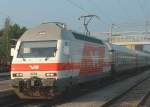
[16,31]
[7,34]
[6,38]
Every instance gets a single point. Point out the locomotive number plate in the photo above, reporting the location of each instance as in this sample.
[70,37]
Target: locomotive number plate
[33,74]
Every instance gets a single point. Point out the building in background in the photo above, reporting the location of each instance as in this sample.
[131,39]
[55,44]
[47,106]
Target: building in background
[134,40]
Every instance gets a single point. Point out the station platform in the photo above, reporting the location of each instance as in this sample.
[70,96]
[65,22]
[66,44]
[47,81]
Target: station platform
[5,74]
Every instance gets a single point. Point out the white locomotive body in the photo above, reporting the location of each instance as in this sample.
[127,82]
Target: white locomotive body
[48,59]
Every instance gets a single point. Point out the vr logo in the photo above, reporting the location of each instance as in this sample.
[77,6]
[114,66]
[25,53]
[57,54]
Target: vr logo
[34,67]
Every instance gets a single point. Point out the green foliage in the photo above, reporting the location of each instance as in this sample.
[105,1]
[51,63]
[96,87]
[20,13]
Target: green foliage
[5,45]
[16,31]
[7,35]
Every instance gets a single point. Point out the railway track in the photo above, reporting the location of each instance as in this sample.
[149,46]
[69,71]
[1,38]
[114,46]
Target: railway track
[135,96]
[9,99]
[4,76]
[107,96]
[145,101]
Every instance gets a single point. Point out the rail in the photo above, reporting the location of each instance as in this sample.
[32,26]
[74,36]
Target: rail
[142,102]
[116,99]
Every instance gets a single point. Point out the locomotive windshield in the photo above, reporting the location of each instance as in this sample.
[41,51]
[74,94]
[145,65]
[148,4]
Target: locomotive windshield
[36,49]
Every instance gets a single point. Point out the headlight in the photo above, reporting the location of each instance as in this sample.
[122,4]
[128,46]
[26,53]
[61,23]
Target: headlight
[50,74]
[17,74]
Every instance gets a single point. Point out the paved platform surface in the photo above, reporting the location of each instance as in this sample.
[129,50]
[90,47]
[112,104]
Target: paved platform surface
[4,73]
[4,76]
[5,85]
[98,98]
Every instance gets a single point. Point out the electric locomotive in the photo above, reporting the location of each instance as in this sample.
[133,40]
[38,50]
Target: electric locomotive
[49,58]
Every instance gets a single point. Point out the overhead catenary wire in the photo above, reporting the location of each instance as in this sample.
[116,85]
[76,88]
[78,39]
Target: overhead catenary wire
[100,11]
[83,9]
[78,6]
[123,9]
[144,15]
[142,9]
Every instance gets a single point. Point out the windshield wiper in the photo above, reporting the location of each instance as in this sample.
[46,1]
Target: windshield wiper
[48,56]
[23,57]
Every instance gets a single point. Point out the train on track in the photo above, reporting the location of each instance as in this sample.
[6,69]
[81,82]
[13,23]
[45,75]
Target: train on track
[49,59]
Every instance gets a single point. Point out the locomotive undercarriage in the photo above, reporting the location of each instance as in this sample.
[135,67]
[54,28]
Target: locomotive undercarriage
[35,87]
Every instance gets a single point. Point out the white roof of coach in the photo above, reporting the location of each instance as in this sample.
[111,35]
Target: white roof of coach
[142,53]
[123,49]
[127,50]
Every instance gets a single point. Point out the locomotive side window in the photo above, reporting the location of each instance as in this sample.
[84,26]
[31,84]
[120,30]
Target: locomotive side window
[37,49]
[86,38]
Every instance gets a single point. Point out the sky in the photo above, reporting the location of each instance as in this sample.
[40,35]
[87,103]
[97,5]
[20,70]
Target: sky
[125,14]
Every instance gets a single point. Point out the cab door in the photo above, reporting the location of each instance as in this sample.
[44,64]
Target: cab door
[68,59]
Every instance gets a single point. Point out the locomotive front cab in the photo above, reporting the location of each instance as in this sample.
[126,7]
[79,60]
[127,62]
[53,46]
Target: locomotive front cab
[38,65]
[35,65]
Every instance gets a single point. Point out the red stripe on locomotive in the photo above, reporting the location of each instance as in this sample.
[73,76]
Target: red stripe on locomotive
[44,67]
